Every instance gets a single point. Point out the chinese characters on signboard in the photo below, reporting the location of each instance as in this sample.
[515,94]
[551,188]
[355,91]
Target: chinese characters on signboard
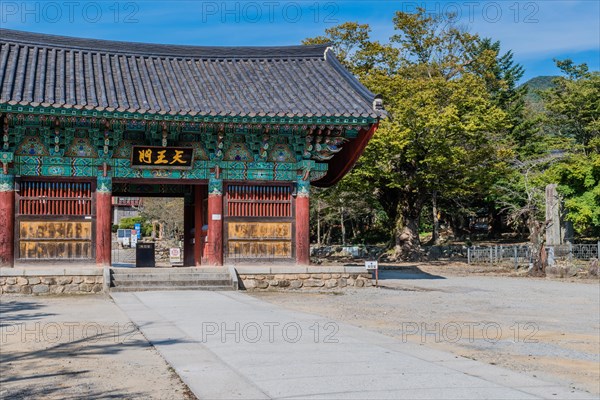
[162,157]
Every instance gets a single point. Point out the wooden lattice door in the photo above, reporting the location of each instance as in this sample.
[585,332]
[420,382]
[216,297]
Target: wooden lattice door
[259,223]
[54,221]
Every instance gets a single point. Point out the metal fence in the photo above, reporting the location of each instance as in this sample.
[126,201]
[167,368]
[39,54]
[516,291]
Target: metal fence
[521,254]
[446,252]
[122,255]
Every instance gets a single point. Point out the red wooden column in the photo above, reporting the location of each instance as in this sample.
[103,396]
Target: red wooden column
[303,223]
[103,221]
[7,220]
[199,196]
[215,222]
[188,235]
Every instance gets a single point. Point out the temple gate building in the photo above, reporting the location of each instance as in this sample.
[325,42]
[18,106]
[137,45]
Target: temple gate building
[241,133]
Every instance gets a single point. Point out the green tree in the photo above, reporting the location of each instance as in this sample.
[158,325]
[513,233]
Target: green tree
[573,117]
[441,140]
[573,104]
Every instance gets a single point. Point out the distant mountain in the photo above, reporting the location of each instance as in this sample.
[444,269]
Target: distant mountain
[536,85]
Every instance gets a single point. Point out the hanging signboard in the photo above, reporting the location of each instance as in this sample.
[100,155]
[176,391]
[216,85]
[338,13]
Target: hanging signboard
[162,157]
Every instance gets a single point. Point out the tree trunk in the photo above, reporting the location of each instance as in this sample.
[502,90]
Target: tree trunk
[435,234]
[538,251]
[408,245]
[318,222]
[343,225]
[327,237]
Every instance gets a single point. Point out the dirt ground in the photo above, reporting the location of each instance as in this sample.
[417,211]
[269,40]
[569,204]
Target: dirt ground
[78,347]
[544,327]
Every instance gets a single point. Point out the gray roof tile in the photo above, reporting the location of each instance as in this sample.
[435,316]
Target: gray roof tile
[178,80]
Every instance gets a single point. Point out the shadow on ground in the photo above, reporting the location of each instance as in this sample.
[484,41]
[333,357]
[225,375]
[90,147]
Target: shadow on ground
[408,273]
[37,353]
[19,311]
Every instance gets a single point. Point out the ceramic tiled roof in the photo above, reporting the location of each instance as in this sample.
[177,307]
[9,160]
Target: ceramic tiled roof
[65,72]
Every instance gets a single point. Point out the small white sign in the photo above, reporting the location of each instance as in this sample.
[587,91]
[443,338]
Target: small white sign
[216,217]
[371,265]
[134,240]
[175,255]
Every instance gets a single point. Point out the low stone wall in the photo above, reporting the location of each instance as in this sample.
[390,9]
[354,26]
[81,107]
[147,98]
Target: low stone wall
[44,281]
[298,278]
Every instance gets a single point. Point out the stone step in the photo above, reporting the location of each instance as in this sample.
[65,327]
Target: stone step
[171,283]
[175,270]
[167,277]
[169,288]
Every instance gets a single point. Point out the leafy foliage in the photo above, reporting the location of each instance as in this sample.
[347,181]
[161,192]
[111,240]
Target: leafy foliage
[462,136]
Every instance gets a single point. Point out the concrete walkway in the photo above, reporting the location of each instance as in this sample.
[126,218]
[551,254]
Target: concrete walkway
[228,345]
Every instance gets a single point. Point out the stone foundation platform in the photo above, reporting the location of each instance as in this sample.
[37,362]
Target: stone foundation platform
[302,278]
[51,280]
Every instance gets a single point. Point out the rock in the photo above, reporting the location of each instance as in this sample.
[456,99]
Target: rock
[47,280]
[552,270]
[63,280]
[40,289]
[336,276]
[284,283]
[262,284]
[274,283]
[22,281]
[303,276]
[89,279]
[342,282]
[296,284]
[331,283]
[12,288]
[594,268]
[11,281]
[326,276]
[249,283]
[85,287]
[314,283]
[360,283]
[77,279]
[26,289]
[34,281]
[71,288]
[57,289]
[99,279]
[350,281]
[97,288]
[346,276]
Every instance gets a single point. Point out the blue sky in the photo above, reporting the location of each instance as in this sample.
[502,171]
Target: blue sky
[536,31]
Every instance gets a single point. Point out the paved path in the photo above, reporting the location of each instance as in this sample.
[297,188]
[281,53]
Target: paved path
[228,345]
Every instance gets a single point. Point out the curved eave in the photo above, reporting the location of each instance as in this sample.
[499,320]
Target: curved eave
[286,119]
[345,160]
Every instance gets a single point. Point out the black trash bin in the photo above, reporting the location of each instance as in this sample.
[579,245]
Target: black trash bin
[144,255]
